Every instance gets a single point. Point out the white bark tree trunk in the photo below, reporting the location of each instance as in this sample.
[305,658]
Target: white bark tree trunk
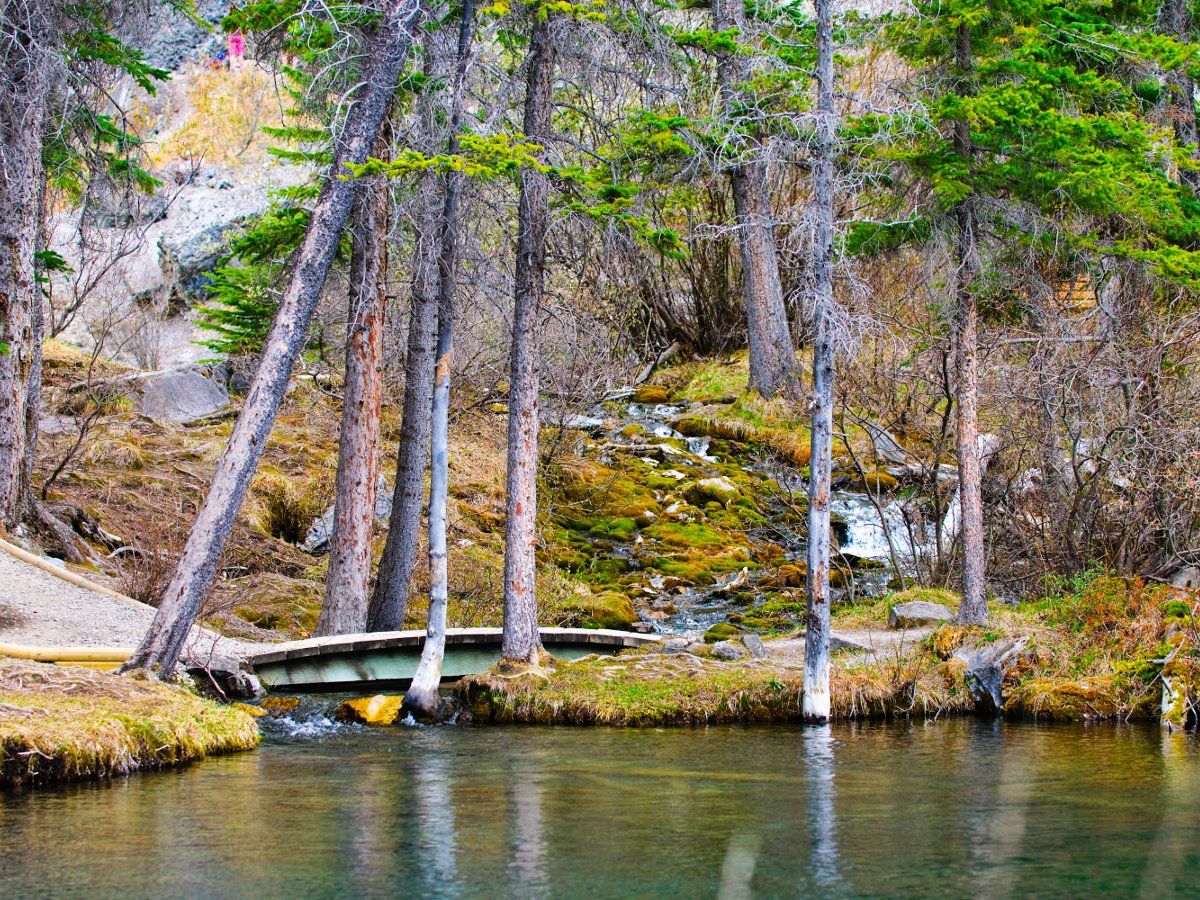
[422,697]
[973,608]
[816,642]
[181,602]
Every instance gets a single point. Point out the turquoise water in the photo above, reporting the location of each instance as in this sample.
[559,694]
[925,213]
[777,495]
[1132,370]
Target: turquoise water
[950,809]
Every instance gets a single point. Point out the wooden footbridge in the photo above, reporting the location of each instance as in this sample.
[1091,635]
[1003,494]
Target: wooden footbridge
[389,658]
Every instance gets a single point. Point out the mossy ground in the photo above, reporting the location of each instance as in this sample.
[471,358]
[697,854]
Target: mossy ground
[62,724]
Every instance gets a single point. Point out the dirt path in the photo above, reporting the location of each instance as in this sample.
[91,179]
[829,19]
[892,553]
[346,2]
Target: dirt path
[878,642]
[40,608]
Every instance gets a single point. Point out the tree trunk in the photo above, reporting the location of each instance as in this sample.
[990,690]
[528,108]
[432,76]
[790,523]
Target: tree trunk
[26,496]
[348,578]
[389,602]
[422,696]
[181,601]
[521,639]
[772,352]
[973,609]
[24,81]
[1175,20]
[816,641]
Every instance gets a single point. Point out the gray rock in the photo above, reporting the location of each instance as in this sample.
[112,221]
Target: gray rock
[187,260]
[171,38]
[754,644]
[730,651]
[1186,579]
[321,530]
[181,397]
[918,612]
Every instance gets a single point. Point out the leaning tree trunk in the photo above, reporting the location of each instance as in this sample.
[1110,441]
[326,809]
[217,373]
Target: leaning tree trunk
[772,352]
[422,696]
[816,640]
[389,602]
[346,583]
[1175,20]
[521,639]
[973,608]
[24,81]
[181,602]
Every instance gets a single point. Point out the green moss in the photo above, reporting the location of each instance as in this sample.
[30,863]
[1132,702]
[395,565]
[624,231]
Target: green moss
[60,724]
[684,534]
[721,631]
[638,689]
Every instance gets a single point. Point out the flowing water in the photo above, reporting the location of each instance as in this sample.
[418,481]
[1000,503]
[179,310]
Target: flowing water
[949,809]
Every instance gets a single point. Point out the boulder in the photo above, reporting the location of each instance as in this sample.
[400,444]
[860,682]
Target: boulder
[754,644]
[321,530]
[917,613]
[377,710]
[1187,578]
[719,489]
[182,397]
[720,632]
[650,393]
[730,651]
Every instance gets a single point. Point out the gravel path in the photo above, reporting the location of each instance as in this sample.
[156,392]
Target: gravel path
[40,609]
[877,642]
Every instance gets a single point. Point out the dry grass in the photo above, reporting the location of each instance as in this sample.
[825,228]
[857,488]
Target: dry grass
[62,724]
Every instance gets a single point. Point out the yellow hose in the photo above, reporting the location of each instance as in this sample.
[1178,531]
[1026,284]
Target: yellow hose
[89,657]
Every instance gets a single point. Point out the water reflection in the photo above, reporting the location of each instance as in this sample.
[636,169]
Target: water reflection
[819,743]
[949,809]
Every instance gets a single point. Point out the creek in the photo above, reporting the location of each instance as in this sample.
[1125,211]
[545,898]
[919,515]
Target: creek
[944,809]
[863,524]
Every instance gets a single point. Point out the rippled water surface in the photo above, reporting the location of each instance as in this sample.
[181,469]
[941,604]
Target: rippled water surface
[950,809]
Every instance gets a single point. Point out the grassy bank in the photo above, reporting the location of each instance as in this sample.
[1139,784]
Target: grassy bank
[1099,648]
[62,724]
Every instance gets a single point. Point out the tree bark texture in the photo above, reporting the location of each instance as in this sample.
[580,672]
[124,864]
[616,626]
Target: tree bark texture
[345,608]
[24,82]
[389,602]
[182,600]
[1175,20]
[816,640]
[772,351]
[422,696]
[973,608]
[521,639]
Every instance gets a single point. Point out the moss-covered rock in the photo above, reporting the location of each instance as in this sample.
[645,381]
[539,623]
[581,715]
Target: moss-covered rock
[378,710]
[721,631]
[651,393]
[719,490]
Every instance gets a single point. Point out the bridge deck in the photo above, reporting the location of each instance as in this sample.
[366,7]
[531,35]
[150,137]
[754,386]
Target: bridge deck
[390,657]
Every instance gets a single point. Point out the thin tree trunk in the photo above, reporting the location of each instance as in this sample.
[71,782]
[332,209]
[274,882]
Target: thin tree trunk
[816,641]
[181,602]
[1175,20]
[521,639]
[422,696]
[772,351]
[973,608]
[26,496]
[24,81]
[389,601]
[348,578]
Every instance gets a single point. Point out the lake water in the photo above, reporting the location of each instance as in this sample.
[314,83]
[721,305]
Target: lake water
[950,809]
